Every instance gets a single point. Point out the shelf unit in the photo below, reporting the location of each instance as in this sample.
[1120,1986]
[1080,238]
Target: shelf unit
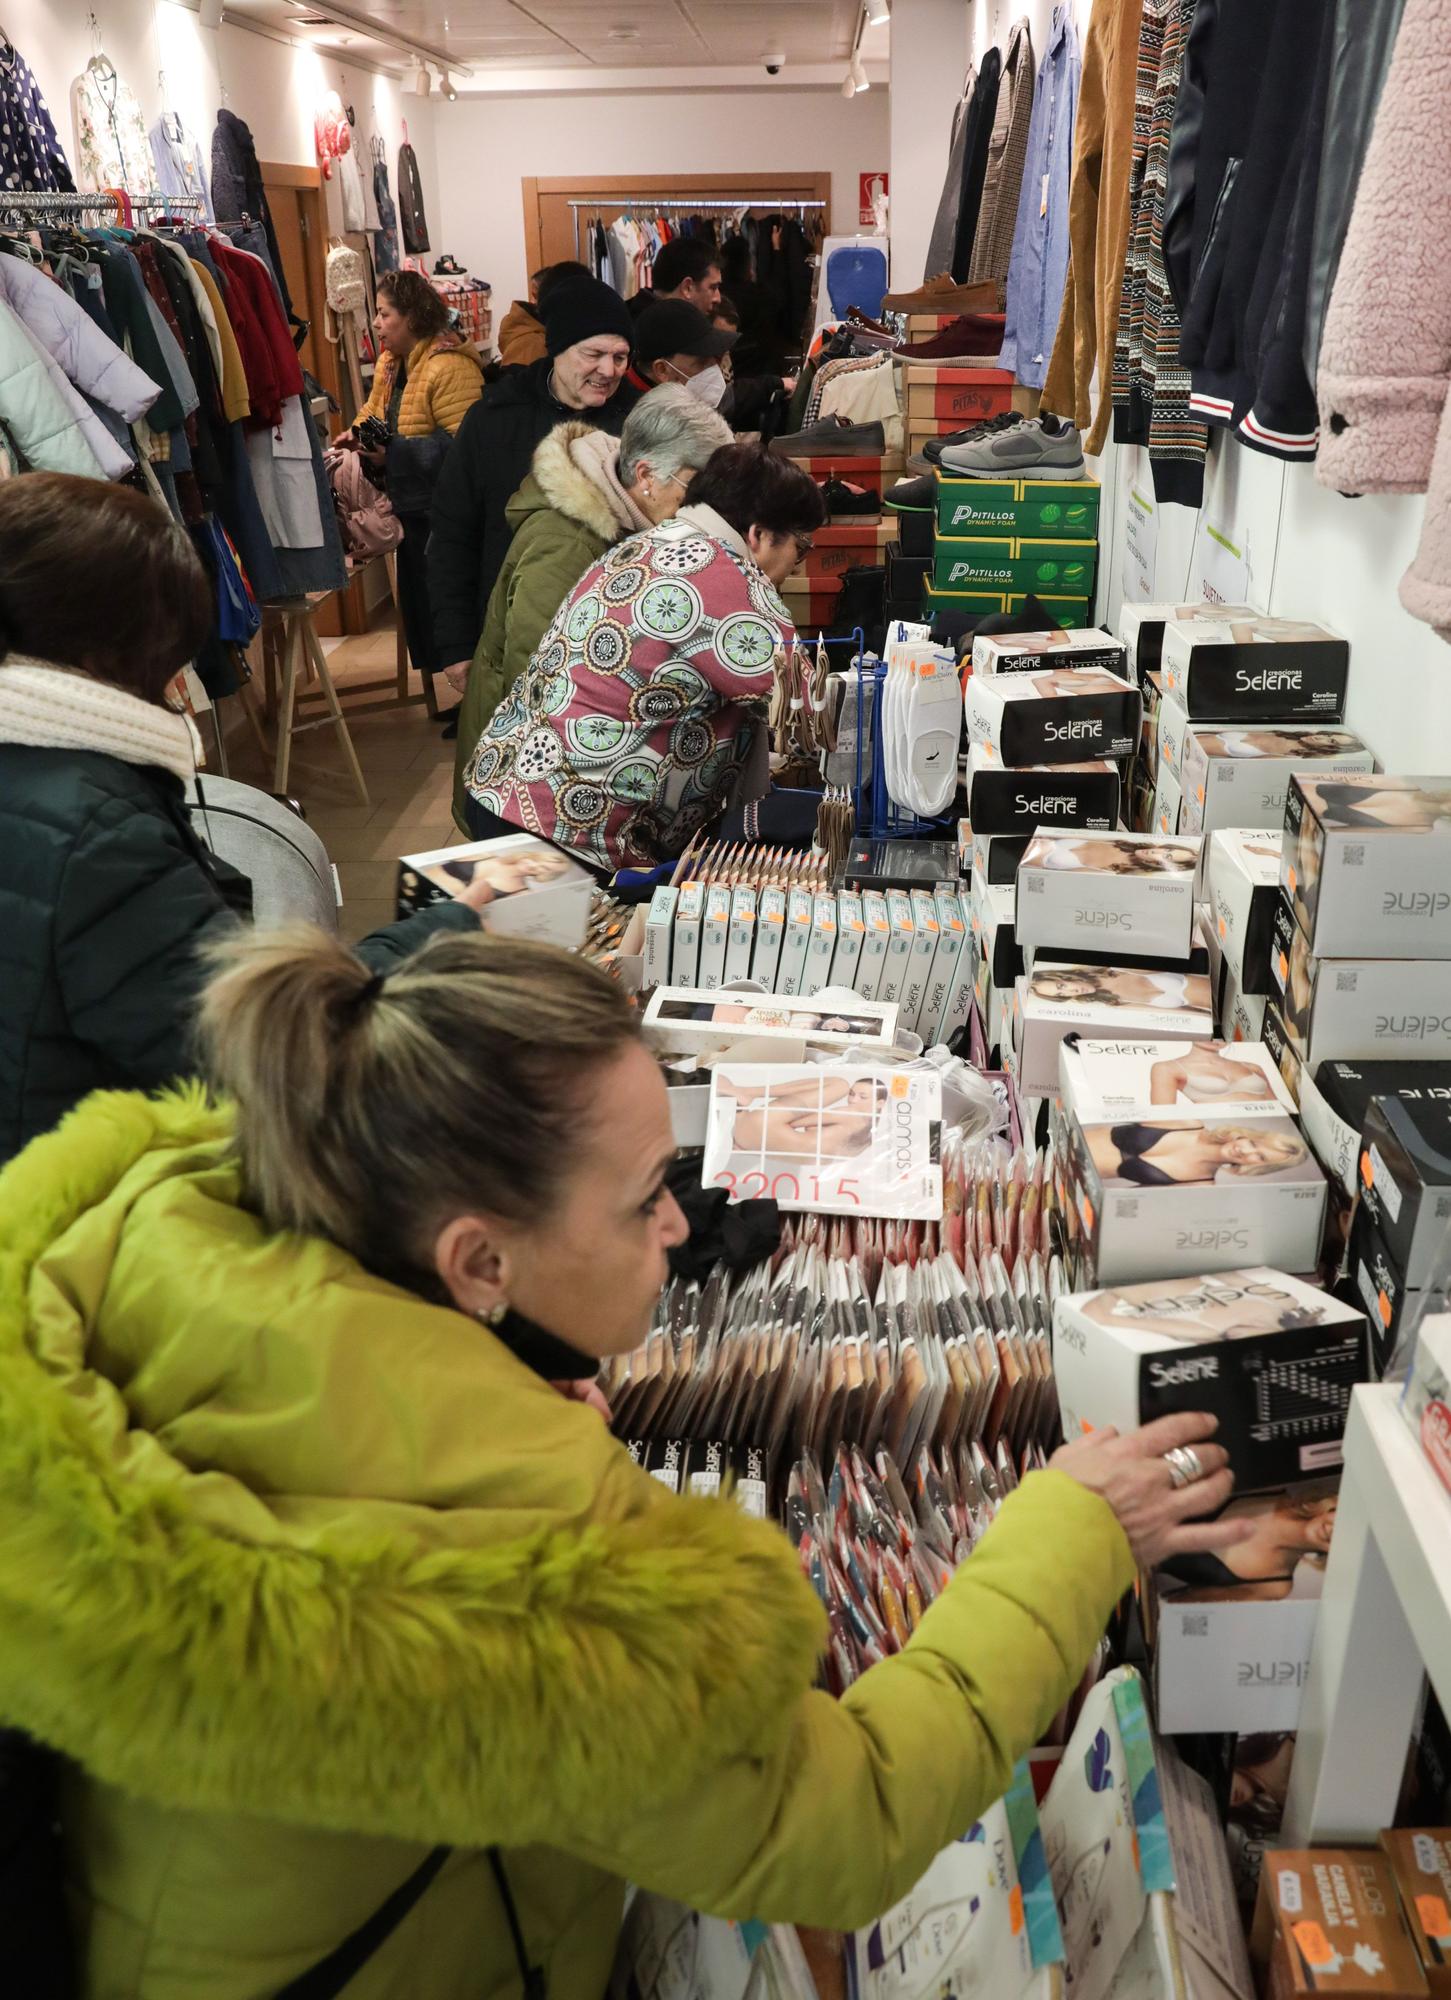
[1385,1623]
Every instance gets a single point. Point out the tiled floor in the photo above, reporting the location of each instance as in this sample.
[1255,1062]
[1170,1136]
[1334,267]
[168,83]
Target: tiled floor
[409,773]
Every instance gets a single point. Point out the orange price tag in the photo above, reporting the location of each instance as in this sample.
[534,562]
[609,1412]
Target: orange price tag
[1290,878]
[1367,1171]
[1315,1947]
[1284,968]
[1223,927]
[1434,1915]
[1383,1305]
[900,1086]
[1015,1909]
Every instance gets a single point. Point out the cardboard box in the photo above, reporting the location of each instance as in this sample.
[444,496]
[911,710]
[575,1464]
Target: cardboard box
[1367,864]
[1056,568]
[952,399]
[1420,1859]
[874,472]
[1045,652]
[1335,1097]
[834,559]
[1071,613]
[1001,800]
[1232,1634]
[1196,961]
[1152,688]
[1274,1359]
[995,857]
[1377,1283]
[697,1020]
[1239,777]
[1173,729]
[813,609]
[538,891]
[1171,1195]
[1141,627]
[1103,1003]
[1329,1921]
[1107,889]
[1099,1082]
[1242,876]
[1053,718]
[1052,507]
[1358,1008]
[1426,1404]
[1405,1181]
[994,937]
[1221,668]
[1168,806]
[1290,1069]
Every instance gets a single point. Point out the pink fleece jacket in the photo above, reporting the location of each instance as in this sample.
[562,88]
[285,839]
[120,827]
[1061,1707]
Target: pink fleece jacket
[1385,362]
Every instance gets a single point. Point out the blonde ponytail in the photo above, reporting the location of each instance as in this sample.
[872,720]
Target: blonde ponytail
[371,1108]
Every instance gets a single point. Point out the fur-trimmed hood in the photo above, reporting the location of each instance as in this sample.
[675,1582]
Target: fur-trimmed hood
[568,475]
[280,1539]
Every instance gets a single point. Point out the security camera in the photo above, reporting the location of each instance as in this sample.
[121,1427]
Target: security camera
[775,60]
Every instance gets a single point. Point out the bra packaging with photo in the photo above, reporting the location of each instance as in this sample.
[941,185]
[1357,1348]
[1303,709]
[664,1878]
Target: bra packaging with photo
[1379,1284]
[1141,627]
[1335,1096]
[1218,668]
[994,938]
[1166,814]
[1242,888]
[1103,1081]
[1273,1358]
[692,1020]
[1000,800]
[1102,1003]
[1367,865]
[1042,652]
[1281,1050]
[538,891]
[1239,777]
[1177,1193]
[843,1140]
[1405,1180]
[1101,892]
[1052,718]
[1357,1009]
[995,856]
[1241,1015]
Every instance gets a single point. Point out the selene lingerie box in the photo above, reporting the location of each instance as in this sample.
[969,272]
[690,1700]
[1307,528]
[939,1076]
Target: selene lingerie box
[1367,864]
[995,856]
[1199,957]
[1169,1195]
[1063,717]
[1420,1859]
[1328,1920]
[1141,627]
[1240,777]
[1288,1066]
[993,934]
[1356,1009]
[1103,1081]
[1003,800]
[1218,669]
[1044,652]
[1335,1097]
[1242,883]
[1405,1181]
[536,891]
[1376,1281]
[1271,1357]
[1102,1003]
[1109,889]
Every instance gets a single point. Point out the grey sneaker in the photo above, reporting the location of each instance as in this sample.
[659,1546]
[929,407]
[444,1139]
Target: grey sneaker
[832,439]
[933,448]
[1033,448]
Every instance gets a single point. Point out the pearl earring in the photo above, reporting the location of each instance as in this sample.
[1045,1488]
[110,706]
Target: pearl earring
[492,1315]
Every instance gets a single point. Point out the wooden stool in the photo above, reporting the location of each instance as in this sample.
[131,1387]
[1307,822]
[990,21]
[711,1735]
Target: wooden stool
[302,655]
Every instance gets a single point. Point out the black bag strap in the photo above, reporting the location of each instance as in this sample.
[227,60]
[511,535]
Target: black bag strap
[536,1986]
[330,1977]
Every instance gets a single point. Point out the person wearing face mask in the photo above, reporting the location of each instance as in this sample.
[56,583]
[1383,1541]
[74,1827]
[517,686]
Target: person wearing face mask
[675,342]
[641,714]
[587,331]
[585,491]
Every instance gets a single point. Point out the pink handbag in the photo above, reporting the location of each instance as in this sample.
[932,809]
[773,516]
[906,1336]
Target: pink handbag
[369,525]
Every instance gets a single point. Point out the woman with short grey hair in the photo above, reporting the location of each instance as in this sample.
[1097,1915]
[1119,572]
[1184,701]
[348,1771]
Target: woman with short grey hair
[585,491]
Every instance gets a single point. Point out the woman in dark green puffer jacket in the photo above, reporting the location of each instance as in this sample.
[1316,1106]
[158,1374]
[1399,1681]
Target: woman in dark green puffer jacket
[106,893]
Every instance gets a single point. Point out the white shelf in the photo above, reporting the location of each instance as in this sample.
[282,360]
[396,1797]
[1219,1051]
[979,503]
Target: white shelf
[1385,1621]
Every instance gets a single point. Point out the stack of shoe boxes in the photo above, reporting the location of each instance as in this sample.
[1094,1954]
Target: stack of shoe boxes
[945,396]
[810,594]
[998,539]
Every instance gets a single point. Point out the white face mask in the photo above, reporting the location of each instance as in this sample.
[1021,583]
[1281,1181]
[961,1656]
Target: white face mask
[709,386]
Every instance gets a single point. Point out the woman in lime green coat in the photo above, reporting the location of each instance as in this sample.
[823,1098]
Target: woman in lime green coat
[314,1558]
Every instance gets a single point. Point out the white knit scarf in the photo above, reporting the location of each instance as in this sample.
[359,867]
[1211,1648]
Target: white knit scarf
[56,708]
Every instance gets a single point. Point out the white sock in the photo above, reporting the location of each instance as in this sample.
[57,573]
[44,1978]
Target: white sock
[931,730]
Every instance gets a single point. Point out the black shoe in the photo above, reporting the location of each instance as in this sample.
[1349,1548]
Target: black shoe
[913,496]
[932,450]
[833,437]
[449,731]
[849,503]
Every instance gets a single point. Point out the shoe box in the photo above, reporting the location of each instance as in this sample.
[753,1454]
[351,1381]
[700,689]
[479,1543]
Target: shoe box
[1054,567]
[942,398]
[1070,614]
[811,601]
[874,472]
[1061,509]
[847,545]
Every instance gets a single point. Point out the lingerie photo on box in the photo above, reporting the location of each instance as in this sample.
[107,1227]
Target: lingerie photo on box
[1182,1152]
[1284,1557]
[1116,986]
[1107,854]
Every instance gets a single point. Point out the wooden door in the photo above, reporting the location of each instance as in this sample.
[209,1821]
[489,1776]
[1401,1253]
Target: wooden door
[549,221]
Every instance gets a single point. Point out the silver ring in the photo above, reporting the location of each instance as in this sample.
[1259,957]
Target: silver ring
[1185,1466]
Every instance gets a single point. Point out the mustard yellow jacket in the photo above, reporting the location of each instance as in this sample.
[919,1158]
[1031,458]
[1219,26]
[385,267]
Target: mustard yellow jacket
[444,382]
[305,1575]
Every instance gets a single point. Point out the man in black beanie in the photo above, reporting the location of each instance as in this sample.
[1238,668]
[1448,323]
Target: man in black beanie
[587,331]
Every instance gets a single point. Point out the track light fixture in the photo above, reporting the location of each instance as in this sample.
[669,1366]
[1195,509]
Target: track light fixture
[848,83]
[861,83]
[420,79]
[877,12]
[449,87]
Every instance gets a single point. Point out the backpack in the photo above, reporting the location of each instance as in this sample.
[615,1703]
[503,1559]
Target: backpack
[369,525]
[272,845]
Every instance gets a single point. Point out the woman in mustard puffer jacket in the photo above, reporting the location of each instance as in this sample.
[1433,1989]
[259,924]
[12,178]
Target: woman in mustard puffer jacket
[311,1571]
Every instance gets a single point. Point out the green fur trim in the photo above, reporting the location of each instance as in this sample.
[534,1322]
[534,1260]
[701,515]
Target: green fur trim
[513,1692]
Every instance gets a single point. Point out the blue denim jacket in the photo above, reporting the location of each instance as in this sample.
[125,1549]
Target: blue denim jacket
[1038,269]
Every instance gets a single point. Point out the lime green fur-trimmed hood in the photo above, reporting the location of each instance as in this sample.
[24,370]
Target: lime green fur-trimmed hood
[281,1539]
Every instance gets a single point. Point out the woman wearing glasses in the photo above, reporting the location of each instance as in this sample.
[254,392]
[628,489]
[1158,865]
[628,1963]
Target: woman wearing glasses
[635,721]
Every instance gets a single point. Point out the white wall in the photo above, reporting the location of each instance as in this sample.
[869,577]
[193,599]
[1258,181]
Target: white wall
[929,61]
[487,145]
[271,84]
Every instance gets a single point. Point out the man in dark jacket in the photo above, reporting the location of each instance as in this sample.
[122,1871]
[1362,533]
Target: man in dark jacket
[687,268]
[587,330]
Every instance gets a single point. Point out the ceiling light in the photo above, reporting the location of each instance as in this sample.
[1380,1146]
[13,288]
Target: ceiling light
[877,12]
[419,80]
[450,88]
[848,83]
[860,80]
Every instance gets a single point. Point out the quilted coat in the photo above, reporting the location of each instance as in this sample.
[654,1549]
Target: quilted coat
[1385,359]
[521,336]
[49,422]
[444,382]
[305,1575]
[90,361]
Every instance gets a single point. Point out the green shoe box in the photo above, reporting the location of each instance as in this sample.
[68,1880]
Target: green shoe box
[1057,507]
[1062,567]
[1072,613]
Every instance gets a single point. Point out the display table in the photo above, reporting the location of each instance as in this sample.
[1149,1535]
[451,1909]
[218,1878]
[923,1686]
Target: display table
[1385,1620]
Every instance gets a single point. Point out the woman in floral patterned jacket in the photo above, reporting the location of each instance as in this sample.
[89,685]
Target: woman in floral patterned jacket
[632,723]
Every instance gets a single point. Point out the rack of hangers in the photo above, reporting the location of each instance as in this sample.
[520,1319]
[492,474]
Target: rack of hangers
[19,206]
[654,204]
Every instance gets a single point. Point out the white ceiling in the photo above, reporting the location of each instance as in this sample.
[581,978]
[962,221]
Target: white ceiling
[493,35]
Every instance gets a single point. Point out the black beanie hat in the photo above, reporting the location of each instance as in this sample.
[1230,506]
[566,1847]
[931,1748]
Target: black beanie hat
[581,308]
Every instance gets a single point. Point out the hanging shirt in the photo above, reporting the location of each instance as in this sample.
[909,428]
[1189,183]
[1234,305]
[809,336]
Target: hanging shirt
[112,149]
[30,152]
[1038,267]
[350,186]
[176,155]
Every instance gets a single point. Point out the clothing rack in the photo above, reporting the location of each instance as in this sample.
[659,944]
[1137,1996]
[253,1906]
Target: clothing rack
[652,203]
[19,204]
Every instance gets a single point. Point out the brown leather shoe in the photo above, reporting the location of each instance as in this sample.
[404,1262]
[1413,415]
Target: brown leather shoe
[942,295]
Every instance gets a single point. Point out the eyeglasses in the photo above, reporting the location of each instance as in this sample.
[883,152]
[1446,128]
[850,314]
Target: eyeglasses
[804,546]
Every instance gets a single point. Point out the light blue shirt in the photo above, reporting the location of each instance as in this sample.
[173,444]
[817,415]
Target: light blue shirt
[1038,267]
